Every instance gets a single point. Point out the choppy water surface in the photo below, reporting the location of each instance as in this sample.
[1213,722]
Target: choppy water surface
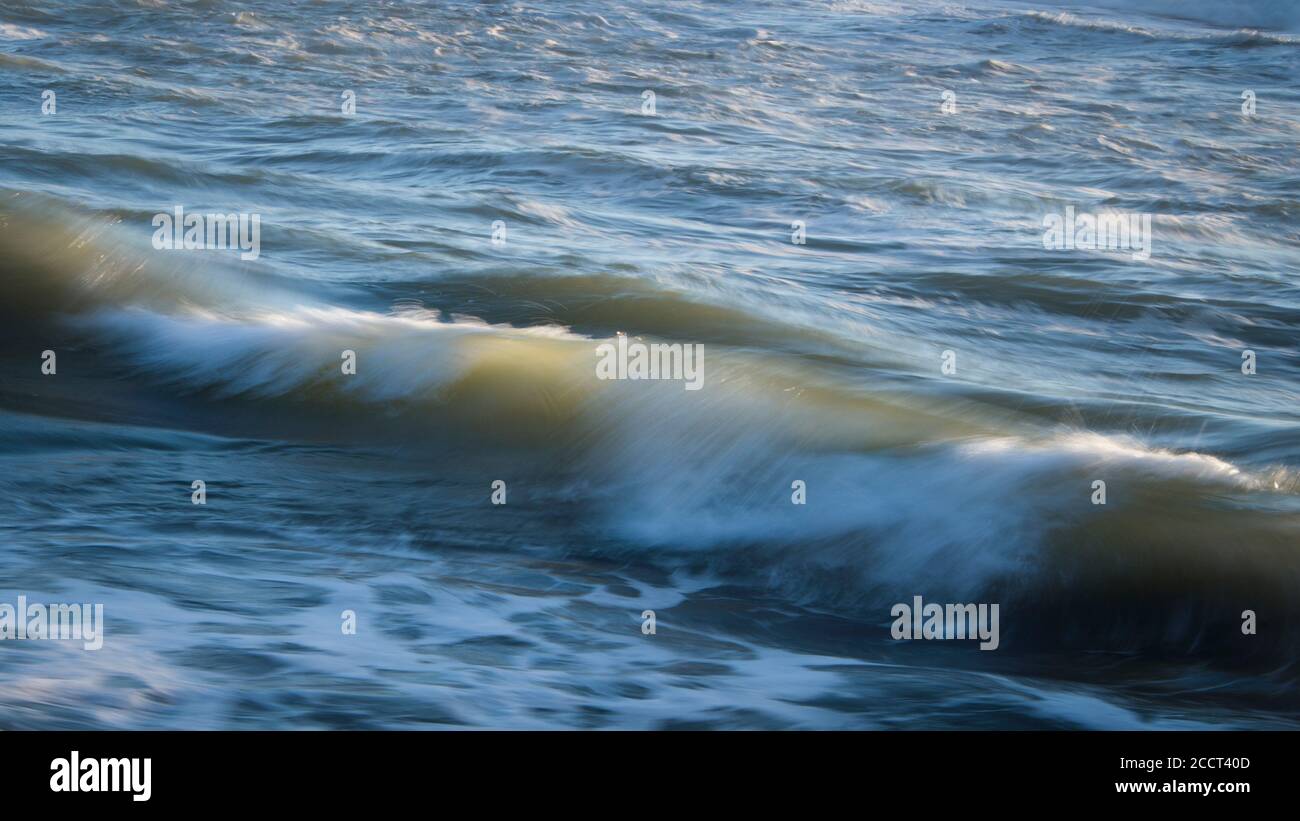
[822,364]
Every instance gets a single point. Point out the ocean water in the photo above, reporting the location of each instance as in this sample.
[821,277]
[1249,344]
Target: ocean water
[920,145]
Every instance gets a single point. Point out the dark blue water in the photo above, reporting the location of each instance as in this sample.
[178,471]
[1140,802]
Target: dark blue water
[918,147]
